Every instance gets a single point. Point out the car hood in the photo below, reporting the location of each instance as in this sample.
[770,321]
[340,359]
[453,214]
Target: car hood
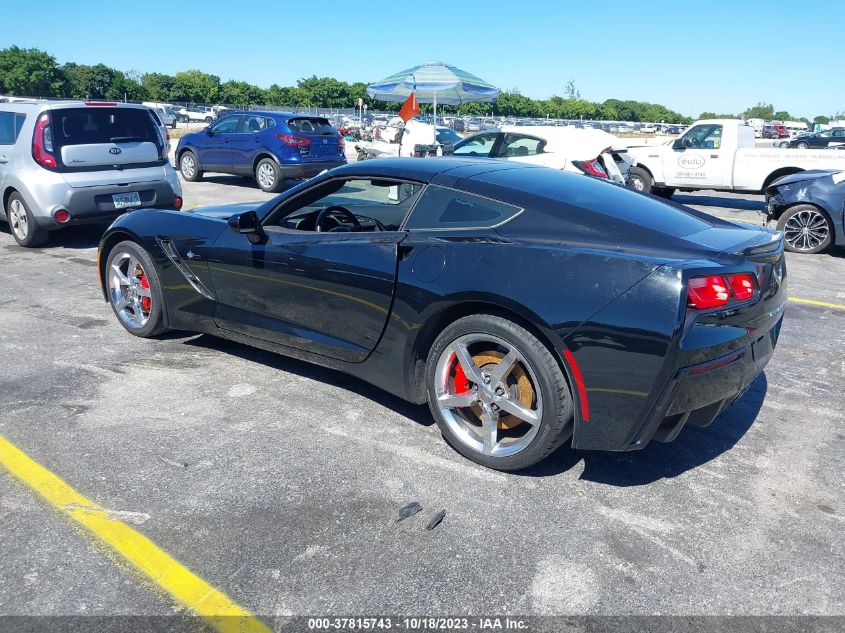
[802,176]
[225,210]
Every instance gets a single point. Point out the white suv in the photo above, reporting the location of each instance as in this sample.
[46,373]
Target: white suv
[72,162]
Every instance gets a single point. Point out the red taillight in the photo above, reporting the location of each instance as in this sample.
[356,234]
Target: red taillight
[707,292]
[177,203]
[591,167]
[107,104]
[715,291]
[42,142]
[742,286]
[296,141]
[61,216]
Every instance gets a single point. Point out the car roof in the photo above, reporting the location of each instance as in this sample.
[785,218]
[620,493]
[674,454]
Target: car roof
[426,169]
[273,113]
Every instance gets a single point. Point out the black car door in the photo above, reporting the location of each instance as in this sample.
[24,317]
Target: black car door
[327,292]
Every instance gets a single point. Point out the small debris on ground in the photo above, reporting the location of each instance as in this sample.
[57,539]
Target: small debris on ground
[435,520]
[408,511]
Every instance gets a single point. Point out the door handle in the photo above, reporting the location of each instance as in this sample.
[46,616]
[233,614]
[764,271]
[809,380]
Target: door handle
[714,156]
[4,159]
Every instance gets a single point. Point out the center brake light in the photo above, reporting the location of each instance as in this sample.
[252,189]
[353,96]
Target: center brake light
[42,142]
[295,141]
[714,291]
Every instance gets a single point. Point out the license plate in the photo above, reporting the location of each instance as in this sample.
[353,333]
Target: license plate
[126,200]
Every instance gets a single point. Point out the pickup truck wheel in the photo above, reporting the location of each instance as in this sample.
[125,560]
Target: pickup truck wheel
[663,192]
[640,180]
[209,120]
[802,145]
[268,177]
[189,167]
[806,229]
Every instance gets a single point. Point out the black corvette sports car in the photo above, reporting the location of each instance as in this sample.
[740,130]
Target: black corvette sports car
[526,305]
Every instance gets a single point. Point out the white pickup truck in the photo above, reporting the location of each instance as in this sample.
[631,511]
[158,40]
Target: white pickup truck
[720,154]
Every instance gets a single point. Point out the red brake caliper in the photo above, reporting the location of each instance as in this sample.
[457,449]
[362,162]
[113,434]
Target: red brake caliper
[461,382]
[146,302]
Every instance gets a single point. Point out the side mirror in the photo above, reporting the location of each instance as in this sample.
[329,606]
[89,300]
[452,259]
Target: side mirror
[209,131]
[247,223]
[679,144]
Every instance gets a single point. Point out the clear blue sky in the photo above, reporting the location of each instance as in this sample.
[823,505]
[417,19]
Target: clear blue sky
[690,56]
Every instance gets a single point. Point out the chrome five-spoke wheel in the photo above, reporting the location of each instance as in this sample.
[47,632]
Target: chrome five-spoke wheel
[487,395]
[129,290]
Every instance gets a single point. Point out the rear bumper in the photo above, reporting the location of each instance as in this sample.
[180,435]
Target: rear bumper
[89,205]
[696,394]
[307,170]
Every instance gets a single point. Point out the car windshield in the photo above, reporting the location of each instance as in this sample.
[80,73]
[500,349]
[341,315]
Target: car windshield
[447,137]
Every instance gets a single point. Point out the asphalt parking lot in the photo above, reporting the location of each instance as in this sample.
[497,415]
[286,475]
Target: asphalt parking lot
[279,483]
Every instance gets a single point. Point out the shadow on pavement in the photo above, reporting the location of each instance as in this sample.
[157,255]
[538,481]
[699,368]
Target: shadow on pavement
[418,413]
[692,448]
[82,236]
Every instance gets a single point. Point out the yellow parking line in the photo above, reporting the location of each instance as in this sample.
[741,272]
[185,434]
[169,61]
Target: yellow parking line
[822,304]
[215,607]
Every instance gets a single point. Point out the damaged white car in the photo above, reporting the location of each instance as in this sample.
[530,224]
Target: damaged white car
[413,138]
[583,151]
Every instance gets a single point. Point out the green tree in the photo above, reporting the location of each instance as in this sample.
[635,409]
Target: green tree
[159,87]
[571,92]
[195,86]
[760,111]
[821,119]
[29,72]
[782,115]
[241,93]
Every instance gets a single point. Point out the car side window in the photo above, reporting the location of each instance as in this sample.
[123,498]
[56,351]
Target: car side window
[10,127]
[516,145]
[226,125]
[705,136]
[376,204]
[253,124]
[444,208]
[480,145]
[838,133]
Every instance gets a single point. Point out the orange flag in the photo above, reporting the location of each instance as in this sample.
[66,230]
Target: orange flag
[410,108]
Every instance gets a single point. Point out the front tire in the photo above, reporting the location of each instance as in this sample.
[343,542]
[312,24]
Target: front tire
[134,290]
[640,180]
[25,228]
[189,167]
[497,393]
[806,229]
[209,120]
[802,145]
[268,176]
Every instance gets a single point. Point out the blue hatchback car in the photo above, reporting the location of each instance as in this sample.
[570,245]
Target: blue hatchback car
[269,146]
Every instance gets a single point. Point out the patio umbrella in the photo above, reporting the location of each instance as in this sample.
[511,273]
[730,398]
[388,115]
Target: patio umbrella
[434,82]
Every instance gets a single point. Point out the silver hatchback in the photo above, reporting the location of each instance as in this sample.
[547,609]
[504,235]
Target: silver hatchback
[72,162]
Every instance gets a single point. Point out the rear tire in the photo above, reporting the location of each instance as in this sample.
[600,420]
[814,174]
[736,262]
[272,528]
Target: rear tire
[802,145]
[209,120]
[189,167]
[807,229]
[533,386]
[269,176]
[134,290]
[640,180]
[22,223]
